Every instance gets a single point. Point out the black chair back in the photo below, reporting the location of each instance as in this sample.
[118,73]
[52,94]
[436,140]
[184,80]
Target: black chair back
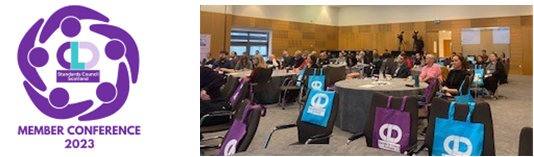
[306,130]
[380,100]
[262,78]
[525,142]
[252,121]
[481,114]
[230,87]
[334,74]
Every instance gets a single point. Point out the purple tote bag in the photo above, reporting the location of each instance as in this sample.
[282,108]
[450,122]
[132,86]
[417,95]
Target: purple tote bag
[392,128]
[237,132]
[238,91]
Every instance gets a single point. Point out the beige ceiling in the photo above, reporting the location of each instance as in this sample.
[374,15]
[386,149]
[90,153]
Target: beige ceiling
[341,6]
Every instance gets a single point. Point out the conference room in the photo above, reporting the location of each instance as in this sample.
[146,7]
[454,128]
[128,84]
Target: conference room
[359,80]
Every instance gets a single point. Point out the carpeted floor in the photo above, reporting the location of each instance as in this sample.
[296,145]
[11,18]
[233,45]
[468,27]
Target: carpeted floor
[510,114]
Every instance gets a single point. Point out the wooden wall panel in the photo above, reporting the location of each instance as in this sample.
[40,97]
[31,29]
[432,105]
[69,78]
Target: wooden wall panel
[213,23]
[294,36]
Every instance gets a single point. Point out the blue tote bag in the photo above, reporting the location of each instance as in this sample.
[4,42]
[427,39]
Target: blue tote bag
[479,76]
[464,98]
[316,81]
[453,137]
[300,76]
[318,107]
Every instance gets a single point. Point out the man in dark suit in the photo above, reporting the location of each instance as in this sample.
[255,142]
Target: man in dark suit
[400,70]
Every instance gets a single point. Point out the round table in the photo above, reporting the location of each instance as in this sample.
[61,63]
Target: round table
[355,99]
[271,95]
[319,150]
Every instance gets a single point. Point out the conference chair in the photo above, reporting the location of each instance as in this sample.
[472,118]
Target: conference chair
[525,142]
[294,86]
[260,82]
[428,97]
[309,133]
[252,122]
[240,95]
[229,87]
[380,100]
[333,74]
[481,114]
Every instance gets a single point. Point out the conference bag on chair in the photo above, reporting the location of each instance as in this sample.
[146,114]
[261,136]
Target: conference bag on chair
[300,76]
[237,132]
[479,76]
[318,107]
[316,81]
[244,81]
[453,137]
[391,130]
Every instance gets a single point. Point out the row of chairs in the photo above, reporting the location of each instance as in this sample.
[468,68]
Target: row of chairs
[235,93]
[296,86]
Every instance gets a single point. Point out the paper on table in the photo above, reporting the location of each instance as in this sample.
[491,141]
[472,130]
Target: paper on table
[368,86]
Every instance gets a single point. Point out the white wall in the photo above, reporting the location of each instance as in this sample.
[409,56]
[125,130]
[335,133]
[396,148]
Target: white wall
[216,8]
[317,14]
[364,15]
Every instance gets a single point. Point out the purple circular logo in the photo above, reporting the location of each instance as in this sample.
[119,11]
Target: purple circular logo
[56,104]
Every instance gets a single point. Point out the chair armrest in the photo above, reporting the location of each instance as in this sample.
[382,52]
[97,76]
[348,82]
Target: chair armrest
[286,81]
[215,114]
[354,137]
[212,138]
[318,137]
[280,127]
[209,147]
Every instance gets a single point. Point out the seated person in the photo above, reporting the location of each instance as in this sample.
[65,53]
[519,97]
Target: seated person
[456,77]
[341,58]
[287,61]
[400,70]
[480,61]
[273,62]
[208,60]
[376,64]
[323,59]
[494,73]
[417,60]
[297,59]
[257,62]
[430,70]
[223,64]
[244,63]
[310,62]
[210,96]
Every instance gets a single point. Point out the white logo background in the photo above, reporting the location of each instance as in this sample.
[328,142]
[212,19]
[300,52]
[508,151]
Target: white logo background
[153,29]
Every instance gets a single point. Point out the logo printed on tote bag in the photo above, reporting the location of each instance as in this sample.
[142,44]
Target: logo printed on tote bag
[386,140]
[230,147]
[317,85]
[456,146]
[318,104]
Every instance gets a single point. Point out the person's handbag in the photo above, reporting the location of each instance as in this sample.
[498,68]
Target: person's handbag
[391,130]
[454,137]
[318,107]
